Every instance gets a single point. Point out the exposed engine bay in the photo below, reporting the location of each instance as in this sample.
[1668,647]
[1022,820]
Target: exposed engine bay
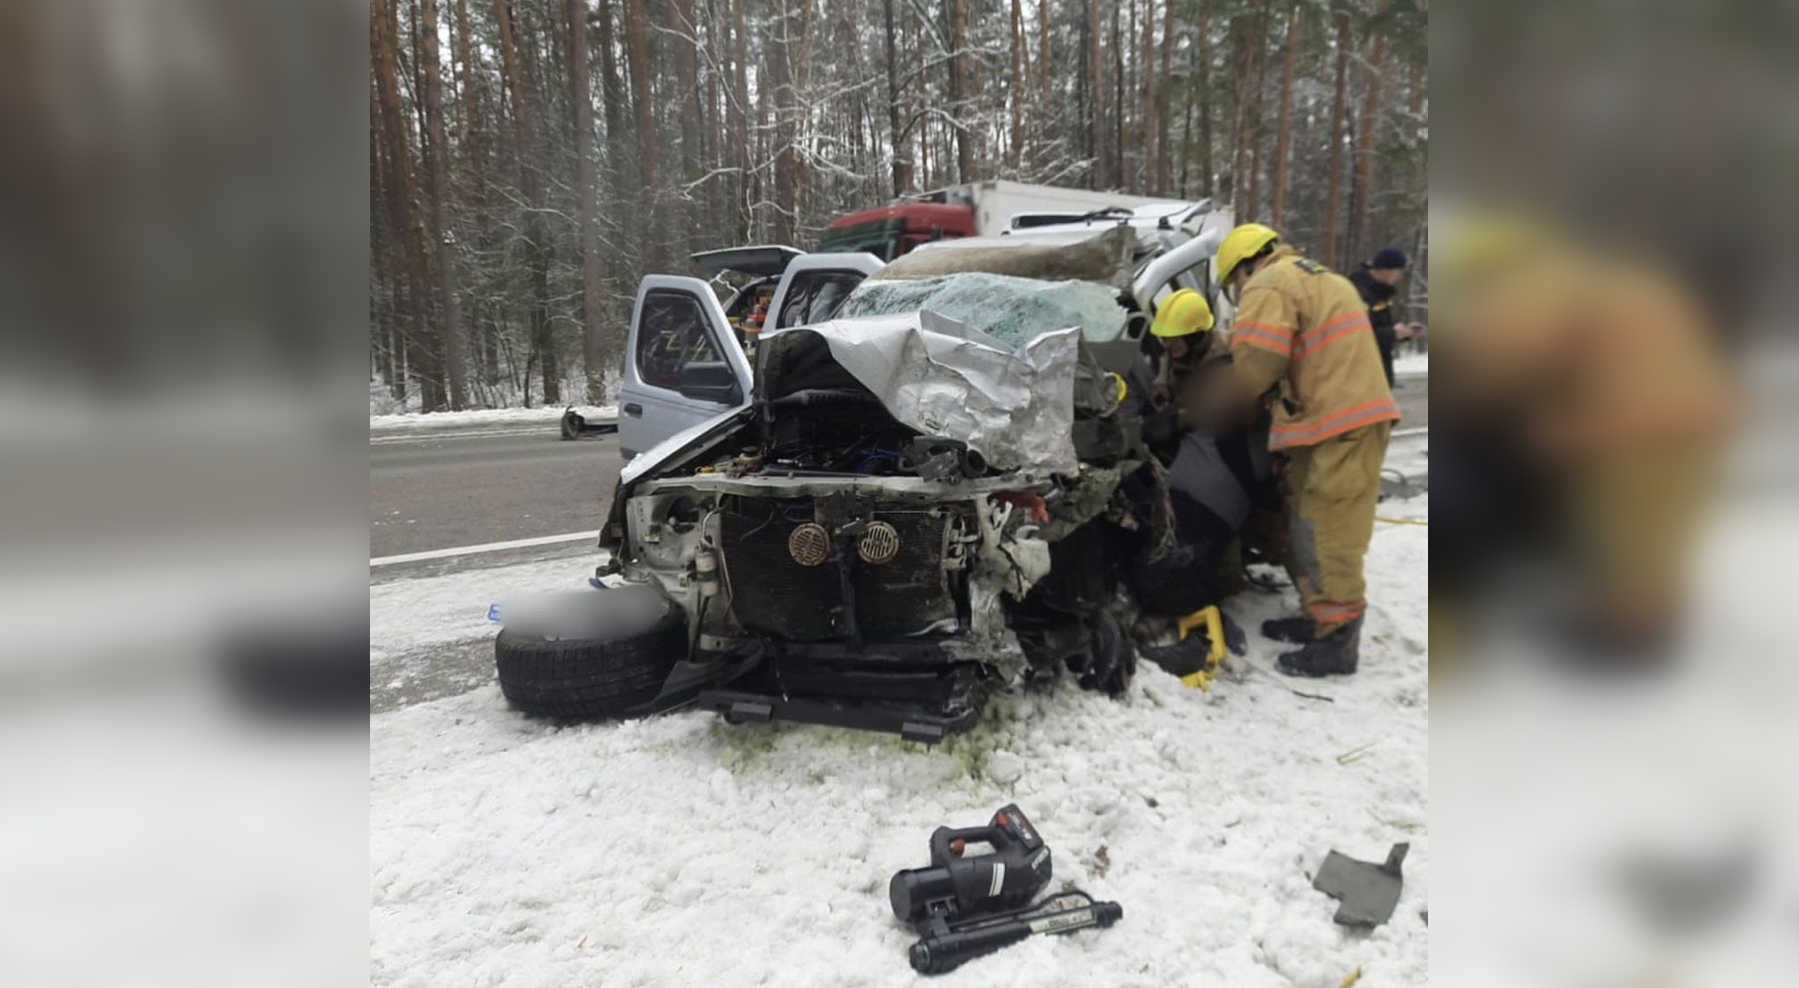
[840,564]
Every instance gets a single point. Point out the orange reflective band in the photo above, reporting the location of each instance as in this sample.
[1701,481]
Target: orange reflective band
[1376,410]
[1328,613]
[1332,331]
[1272,338]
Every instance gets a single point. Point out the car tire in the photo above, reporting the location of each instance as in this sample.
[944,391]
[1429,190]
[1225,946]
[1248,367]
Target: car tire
[593,678]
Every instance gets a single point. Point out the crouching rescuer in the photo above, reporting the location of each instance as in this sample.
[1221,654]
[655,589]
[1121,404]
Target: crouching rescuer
[1302,345]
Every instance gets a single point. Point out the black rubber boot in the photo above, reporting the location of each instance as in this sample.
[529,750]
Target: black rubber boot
[1333,656]
[1293,630]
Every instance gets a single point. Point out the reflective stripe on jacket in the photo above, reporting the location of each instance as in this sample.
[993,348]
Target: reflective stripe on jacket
[1303,327]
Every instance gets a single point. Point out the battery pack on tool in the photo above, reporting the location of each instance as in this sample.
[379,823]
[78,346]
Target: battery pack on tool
[965,905]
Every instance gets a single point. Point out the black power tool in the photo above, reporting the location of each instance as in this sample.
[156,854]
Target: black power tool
[964,906]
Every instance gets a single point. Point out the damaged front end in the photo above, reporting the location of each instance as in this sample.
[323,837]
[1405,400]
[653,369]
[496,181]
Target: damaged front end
[858,546]
[850,601]
[838,565]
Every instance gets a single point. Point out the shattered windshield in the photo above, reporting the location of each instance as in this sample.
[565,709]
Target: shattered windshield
[1013,310]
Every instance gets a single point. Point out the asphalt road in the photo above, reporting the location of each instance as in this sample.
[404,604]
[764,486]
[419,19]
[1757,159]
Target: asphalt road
[1414,400]
[444,489]
[441,490]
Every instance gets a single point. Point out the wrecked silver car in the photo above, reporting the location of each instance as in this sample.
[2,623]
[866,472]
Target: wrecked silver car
[939,494]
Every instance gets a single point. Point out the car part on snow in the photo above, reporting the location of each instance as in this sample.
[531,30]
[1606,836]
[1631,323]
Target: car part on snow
[1367,893]
[575,425]
[611,653]
[1693,892]
[967,905]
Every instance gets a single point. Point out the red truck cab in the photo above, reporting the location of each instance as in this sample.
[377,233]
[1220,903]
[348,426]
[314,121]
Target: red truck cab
[892,230]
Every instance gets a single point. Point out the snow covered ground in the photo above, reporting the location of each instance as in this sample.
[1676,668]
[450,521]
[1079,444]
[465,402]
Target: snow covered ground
[1411,363]
[683,851]
[483,416]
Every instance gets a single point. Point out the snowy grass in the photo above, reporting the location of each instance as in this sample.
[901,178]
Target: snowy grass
[683,851]
[484,416]
[505,404]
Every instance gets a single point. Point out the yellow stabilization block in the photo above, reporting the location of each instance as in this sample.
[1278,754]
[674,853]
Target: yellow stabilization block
[1214,625]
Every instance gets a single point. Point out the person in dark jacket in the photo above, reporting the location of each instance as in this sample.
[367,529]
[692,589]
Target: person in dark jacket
[1375,281]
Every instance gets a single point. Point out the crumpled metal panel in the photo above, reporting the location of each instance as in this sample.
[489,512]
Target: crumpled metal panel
[1105,257]
[944,378]
[1010,309]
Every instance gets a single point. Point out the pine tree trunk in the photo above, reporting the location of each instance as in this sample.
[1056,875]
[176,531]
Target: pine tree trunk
[402,198]
[958,94]
[1277,209]
[384,280]
[740,130]
[637,60]
[1239,77]
[536,250]
[1096,100]
[1203,95]
[902,165]
[802,124]
[1017,87]
[474,138]
[1366,134]
[1164,109]
[443,239]
[593,348]
[687,78]
[612,98]
[1334,185]
[1118,116]
[1253,128]
[786,131]
[1146,97]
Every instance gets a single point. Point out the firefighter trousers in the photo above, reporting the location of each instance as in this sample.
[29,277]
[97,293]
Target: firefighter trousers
[1331,489]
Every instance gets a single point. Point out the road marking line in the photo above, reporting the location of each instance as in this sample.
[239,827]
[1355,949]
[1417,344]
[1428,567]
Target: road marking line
[470,550]
[1419,431]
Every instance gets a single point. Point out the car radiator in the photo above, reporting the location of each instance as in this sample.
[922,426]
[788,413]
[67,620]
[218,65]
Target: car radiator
[774,593]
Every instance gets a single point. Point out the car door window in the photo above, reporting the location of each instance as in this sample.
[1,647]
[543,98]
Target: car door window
[671,335]
[814,296]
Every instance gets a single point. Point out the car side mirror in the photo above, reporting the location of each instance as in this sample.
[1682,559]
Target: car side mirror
[709,380]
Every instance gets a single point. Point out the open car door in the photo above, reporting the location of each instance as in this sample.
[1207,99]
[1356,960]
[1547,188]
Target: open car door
[814,286]
[682,363]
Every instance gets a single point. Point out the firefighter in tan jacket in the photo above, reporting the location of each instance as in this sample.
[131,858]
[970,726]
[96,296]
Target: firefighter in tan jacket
[1302,343]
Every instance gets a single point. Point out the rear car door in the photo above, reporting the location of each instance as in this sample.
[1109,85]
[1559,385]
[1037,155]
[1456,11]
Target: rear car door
[682,364]
[814,286]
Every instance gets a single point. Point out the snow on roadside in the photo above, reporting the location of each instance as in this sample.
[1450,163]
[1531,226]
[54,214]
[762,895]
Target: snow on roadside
[483,416]
[1412,363]
[680,850]
[407,617]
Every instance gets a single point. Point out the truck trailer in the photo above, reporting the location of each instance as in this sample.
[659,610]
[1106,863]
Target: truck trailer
[975,209]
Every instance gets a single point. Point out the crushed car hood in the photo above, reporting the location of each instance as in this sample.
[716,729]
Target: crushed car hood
[943,378]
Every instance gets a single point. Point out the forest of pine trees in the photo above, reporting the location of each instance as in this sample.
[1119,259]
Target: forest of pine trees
[530,160]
